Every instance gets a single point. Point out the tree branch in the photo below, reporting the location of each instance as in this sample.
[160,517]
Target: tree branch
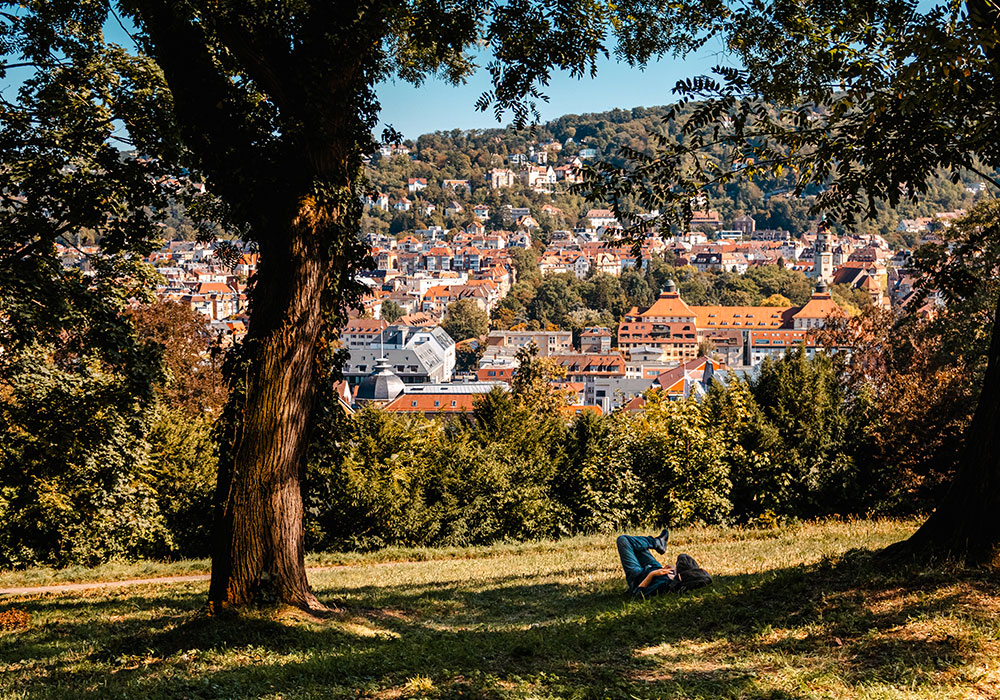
[204,100]
[992,180]
[266,63]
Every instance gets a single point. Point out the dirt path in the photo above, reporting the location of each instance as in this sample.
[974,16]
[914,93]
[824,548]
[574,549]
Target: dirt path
[70,587]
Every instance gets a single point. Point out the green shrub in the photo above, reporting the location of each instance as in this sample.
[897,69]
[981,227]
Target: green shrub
[677,455]
[74,466]
[366,482]
[183,466]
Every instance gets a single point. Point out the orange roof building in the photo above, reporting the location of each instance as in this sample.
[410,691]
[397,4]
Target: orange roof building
[441,399]
[820,307]
[579,366]
[744,317]
[431,404]
[676,341]
[668,308]
[213,288]
[677,329]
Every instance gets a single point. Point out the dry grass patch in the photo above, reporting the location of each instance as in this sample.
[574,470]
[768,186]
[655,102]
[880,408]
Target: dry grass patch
[12,620]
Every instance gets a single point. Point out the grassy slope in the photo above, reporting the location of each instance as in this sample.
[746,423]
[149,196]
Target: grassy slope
[793,614]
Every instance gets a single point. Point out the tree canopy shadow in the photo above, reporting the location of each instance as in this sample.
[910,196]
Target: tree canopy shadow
[852,618]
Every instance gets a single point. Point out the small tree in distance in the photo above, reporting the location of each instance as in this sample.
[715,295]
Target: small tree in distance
[466,320]
[776,300]
[391,311]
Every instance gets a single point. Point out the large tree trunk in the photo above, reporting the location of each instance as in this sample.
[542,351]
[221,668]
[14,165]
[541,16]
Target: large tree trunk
[259,539]
[966,524]
[318,115]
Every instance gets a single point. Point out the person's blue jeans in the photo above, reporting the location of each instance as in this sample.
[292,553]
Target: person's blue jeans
[636,559]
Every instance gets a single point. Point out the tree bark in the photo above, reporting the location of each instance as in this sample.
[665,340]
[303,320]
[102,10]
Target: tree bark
[965,527]
[259,548]
[306,252]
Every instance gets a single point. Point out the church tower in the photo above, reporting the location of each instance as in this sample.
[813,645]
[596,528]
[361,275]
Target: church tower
[823,255]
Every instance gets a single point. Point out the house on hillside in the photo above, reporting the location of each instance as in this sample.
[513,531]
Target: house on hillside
[600,217]
[457,185]
[540,178]
[500,178]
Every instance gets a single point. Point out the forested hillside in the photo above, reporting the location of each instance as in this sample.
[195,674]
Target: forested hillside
[467,155]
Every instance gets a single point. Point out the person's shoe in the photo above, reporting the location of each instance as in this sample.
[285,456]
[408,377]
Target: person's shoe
[660,541]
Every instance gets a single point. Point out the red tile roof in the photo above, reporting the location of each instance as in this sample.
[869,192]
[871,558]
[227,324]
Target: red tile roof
[431,403]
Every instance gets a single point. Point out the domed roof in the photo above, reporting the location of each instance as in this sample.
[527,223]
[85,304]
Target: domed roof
[381,386]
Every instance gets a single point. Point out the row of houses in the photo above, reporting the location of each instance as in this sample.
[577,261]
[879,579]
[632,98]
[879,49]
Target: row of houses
[595,375]
[742,335]
[597,383]
[657,340]
[429,293]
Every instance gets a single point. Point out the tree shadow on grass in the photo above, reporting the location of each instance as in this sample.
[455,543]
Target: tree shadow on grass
[849,623]
[122,615]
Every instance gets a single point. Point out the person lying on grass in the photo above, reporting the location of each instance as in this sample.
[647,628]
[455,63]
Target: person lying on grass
[646,577]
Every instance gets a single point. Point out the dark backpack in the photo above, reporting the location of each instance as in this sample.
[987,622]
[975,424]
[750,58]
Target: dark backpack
[690,574]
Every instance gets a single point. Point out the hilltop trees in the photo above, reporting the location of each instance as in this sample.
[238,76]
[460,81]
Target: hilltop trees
[768,199]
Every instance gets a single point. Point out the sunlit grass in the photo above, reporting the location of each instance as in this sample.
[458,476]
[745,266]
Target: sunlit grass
[832,536]
[796,612]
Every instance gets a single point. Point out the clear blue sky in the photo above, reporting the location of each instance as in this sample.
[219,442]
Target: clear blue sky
[438,106]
